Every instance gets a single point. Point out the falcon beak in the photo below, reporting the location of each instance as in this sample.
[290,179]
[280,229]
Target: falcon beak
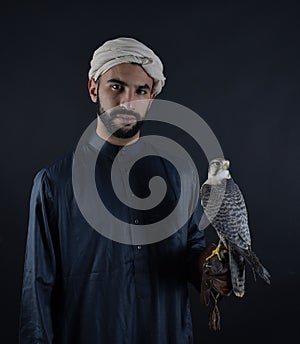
[226,164]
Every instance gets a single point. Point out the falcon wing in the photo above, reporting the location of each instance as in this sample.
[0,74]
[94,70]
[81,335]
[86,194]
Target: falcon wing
[228,215]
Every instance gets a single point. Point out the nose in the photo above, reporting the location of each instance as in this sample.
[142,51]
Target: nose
[127,100]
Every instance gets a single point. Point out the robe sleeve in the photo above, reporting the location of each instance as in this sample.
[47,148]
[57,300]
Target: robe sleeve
[39,274]
[196,240]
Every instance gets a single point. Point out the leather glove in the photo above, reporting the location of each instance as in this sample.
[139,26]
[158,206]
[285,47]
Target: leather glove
[216,282]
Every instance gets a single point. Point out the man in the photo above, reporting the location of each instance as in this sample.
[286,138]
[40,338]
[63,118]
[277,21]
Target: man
[79,285]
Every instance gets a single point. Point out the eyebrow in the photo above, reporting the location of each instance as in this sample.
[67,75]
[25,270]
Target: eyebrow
[123,83]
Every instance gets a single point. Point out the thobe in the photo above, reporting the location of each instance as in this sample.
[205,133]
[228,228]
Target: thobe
[81,287]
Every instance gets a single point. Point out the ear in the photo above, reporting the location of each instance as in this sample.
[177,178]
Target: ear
[152,96]
[93,89]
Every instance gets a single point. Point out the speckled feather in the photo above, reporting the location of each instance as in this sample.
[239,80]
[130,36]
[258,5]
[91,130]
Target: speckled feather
[230,219]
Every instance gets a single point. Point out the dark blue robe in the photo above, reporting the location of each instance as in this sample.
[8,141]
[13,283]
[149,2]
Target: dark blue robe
[81,287]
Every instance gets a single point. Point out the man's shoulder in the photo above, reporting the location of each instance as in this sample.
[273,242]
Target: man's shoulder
[59,170]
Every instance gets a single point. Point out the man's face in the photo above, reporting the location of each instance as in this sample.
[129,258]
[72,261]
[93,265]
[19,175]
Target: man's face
[124,94]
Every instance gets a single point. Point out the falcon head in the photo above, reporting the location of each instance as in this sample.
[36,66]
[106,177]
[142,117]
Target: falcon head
[218,170]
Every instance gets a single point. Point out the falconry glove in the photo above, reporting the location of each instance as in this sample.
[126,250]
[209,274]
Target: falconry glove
[216,282]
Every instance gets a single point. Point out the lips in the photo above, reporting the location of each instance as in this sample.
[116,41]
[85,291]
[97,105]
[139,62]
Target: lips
[126,119]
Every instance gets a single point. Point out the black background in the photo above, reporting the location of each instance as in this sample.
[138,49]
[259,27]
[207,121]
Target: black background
[234,63]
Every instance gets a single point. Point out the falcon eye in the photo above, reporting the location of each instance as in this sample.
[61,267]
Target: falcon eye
[217,163]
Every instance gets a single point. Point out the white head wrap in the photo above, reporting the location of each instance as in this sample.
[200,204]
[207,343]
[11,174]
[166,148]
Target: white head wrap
[127,50]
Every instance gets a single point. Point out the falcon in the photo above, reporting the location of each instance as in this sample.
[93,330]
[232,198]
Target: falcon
[225,208]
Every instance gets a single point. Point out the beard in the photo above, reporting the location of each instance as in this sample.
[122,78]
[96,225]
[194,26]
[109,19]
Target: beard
[124,132]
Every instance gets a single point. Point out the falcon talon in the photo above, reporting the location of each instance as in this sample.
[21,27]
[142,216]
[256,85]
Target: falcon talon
[215,252]
[223,253]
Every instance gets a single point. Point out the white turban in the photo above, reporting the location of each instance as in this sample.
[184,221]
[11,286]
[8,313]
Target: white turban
[127,50]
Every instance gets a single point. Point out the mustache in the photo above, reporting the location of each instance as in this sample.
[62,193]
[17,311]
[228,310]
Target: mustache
[120,111]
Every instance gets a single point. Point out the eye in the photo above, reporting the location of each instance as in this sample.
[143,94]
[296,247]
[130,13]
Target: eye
[141,92]
[117,87]
[218,163]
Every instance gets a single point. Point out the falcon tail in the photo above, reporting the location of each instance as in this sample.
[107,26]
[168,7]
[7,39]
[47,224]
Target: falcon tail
[256,265]
[237,268]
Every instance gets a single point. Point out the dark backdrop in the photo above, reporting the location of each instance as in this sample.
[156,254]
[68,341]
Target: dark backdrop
[234,63]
